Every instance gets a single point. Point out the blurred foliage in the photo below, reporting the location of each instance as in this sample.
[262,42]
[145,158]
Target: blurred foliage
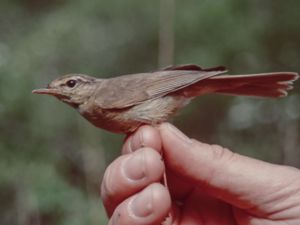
[52,160]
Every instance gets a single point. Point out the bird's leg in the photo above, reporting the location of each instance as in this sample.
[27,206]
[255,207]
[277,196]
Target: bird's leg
[127,136]
[164,181]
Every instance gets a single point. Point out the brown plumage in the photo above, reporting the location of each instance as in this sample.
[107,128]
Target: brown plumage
[123,103]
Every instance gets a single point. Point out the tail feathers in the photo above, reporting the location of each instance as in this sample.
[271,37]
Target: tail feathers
[259,91]
[272,85]
[263,85]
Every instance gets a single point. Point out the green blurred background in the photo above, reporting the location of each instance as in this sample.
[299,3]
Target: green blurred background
[52,160]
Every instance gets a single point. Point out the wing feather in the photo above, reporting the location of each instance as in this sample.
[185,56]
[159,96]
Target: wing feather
[130,90]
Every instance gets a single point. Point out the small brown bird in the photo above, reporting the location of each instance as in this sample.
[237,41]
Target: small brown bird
[124,103]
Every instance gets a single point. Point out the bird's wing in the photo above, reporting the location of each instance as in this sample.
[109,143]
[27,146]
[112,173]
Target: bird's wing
[129,90]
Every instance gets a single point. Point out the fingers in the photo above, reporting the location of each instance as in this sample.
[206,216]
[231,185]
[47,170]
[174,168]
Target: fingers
[145,136]
[129,174]
[134,196]
[147,207]
[236,179]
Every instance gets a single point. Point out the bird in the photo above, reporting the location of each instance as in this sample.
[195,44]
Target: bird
[122,104]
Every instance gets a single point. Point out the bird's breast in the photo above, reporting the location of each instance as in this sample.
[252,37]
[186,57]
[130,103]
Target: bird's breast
[112,120]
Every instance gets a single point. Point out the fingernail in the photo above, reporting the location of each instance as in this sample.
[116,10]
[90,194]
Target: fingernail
[142,205]
[130,144]
[134,167]
[137,141]
[177,132]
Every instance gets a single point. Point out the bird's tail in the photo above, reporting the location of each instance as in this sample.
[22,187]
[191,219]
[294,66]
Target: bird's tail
[263,85]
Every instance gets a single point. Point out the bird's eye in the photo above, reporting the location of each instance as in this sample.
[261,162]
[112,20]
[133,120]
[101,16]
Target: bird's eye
[71,83]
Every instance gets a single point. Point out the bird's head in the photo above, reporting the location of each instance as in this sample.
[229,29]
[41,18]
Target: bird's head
[73,89]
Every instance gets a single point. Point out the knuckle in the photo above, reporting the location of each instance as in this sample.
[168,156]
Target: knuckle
[221,153]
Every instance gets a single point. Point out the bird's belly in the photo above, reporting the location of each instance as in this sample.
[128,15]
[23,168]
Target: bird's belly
[127,120]
[157,110]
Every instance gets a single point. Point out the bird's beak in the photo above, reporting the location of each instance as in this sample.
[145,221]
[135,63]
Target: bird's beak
[46,91]
[50,91]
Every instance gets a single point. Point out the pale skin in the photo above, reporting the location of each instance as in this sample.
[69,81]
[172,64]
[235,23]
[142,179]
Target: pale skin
[207,184]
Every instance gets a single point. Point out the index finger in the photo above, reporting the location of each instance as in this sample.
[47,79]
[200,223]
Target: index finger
[145,136]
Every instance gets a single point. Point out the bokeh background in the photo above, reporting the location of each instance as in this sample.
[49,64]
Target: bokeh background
[52,160]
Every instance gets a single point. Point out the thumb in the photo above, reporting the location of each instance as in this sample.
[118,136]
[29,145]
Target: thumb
[239,180]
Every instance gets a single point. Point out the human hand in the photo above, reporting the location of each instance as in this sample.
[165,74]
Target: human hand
[207,184]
